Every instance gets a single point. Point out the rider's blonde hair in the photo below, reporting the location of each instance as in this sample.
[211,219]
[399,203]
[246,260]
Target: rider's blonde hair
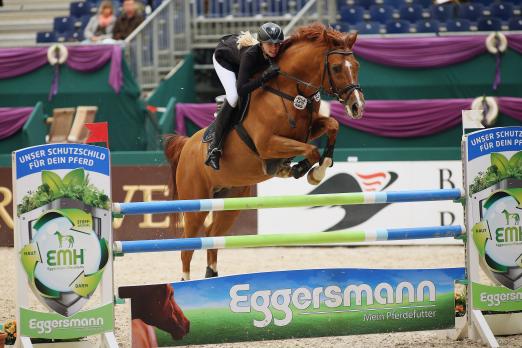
[246,39]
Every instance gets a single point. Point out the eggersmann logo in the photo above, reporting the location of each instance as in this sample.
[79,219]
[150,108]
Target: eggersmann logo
[405,301]
[48,326]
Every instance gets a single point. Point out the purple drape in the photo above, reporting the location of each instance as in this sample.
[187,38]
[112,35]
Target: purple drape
[93,57]
[515,42]
[426,52]
[200,114]
[12,119]
[19,61]
[388,118]
[511,106]
[405,118]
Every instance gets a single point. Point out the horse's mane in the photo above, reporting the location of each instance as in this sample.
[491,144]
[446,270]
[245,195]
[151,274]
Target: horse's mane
[318,33]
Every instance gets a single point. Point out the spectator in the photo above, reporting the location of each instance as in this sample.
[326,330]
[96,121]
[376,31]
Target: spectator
[100,26]
[129,20]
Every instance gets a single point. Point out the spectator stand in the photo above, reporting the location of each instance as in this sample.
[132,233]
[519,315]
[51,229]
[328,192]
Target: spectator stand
[403,17]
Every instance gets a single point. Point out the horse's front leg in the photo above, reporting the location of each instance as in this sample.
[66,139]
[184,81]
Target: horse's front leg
[280,147]
[330,127]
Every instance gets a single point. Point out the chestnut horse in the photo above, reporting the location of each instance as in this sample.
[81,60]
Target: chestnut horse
[282,117]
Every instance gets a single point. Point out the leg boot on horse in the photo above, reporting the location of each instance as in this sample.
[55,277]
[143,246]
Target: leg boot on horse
[223,123]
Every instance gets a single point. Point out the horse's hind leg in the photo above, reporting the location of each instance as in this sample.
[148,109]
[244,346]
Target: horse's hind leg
[222,221]
[193,224]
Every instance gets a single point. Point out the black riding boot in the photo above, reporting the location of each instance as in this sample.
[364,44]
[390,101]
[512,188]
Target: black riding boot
[215,148]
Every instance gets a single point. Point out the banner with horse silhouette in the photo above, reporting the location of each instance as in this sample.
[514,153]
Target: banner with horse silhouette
[291,304]
[64,239]
[374,176]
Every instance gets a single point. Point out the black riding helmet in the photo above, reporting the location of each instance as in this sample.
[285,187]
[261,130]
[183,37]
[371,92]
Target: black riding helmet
[270,32]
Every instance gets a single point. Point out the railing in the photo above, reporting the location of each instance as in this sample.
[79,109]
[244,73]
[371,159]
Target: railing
[177,26]
[211,19]
[315,10]
[159,43]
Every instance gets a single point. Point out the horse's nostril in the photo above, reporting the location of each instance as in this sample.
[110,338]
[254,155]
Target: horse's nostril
[354,109]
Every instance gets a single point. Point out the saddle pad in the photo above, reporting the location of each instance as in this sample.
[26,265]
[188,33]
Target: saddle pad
[208,136]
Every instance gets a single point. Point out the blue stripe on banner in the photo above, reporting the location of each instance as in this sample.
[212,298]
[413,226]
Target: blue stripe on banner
[382,234]
[381,197]
[140,246]
[422,195]
[62,156]
[490,140]
[424,232]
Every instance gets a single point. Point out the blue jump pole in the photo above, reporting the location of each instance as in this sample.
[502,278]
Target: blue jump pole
[287,239]
[245,203]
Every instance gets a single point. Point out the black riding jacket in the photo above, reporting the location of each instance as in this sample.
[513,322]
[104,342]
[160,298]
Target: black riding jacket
[245,62]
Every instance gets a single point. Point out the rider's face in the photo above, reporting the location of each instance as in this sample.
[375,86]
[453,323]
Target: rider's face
[270,49]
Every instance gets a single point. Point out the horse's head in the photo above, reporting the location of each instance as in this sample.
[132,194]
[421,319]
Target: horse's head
[331,51]
[342,71]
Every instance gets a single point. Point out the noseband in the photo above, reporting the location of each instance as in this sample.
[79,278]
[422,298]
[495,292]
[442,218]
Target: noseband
[333,91]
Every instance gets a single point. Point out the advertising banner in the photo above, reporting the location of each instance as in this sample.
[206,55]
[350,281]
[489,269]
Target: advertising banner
[372,177]
[292,304]
[63,238]
[494,187]
[133,183]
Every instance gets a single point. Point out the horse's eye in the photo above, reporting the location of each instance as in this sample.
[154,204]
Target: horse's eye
[337,68]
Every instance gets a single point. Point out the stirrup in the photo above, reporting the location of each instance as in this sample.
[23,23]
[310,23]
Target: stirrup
[213,158]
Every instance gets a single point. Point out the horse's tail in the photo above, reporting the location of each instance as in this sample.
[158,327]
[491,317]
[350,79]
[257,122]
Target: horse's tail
[173,145]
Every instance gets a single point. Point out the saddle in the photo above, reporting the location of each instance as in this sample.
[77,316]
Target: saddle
[239,114]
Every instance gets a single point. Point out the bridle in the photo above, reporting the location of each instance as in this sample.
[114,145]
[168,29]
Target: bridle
[333,91]
[350,87]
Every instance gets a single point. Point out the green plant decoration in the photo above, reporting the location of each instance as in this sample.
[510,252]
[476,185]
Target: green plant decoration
[75,185]
[501,168]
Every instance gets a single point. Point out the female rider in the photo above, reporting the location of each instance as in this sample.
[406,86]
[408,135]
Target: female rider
[232,59]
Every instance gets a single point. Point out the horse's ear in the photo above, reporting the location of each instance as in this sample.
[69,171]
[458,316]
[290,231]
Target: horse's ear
[325,35]
[349,39]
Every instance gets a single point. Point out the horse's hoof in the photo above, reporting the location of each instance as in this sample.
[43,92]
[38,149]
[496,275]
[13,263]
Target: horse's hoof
[311,177]
[316,174]
[210,273]
[327,162]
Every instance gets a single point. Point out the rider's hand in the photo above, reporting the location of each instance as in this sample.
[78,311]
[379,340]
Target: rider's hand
[271,72]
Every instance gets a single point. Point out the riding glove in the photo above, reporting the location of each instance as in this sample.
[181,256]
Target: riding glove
[271,72]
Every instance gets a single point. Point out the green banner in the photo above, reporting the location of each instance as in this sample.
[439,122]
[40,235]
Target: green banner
[292,304]
[496,298]
[53,325]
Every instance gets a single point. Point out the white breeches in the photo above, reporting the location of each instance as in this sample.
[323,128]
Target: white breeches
[228,80]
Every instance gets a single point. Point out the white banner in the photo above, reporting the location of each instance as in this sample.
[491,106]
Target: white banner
[367,176]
